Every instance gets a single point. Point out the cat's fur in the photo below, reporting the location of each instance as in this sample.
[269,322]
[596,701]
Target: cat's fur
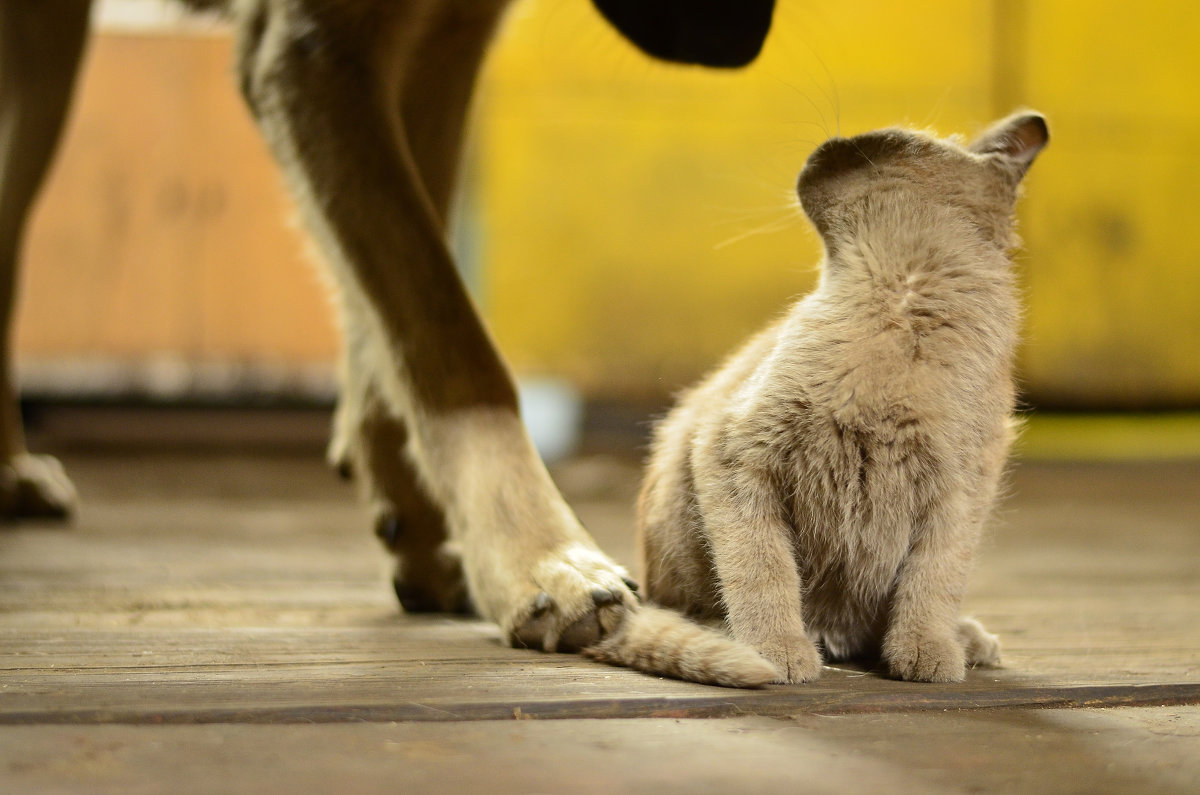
[826,488]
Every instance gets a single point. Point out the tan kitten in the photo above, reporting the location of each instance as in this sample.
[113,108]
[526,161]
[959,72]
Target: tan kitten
[828,484]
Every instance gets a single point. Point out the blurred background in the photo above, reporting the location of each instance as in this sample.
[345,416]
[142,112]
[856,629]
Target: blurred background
[624,223]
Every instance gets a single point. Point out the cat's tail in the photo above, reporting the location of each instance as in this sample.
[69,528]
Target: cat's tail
[659,641]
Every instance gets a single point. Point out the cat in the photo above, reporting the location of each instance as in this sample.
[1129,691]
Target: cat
[826,488]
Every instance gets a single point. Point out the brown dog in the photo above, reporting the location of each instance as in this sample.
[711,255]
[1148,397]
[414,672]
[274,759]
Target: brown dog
[363,103]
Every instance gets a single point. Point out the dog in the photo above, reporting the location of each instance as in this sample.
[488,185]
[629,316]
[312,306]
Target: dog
[362,103]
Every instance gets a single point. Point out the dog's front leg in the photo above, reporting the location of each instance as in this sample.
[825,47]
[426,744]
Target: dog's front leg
[40,48]
[371,442]
[445,48]
[324,81]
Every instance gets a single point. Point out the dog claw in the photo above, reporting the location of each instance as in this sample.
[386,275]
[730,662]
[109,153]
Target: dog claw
[425,581]
[532,633]
[633,589]
[388,529]
[419,599]
[603,596]
[414,600]
[584,632]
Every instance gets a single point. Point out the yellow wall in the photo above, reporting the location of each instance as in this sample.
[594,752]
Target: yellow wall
[623,197]
[1113,264]
[629,221]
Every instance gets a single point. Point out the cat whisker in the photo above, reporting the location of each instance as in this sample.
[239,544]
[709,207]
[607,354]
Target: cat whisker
[770,227]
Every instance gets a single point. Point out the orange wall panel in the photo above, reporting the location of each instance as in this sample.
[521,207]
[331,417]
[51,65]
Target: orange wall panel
[162,230]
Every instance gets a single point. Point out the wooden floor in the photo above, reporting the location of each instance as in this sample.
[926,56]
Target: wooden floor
[217,621]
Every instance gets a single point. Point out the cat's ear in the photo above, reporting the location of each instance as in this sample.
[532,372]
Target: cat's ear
[839,163]
[1015,140]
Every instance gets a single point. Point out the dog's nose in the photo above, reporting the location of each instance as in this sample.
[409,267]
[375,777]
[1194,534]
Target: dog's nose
[719,33]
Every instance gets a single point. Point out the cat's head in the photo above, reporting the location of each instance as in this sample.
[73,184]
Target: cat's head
[905,169]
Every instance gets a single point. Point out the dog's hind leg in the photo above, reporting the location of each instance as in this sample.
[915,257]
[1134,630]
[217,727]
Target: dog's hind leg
[40,48]
[326,81]
[366,435]
[373,444]
[368,439]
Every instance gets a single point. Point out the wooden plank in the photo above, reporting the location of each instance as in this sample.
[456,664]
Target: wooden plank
[1102,751]
[247,589]
[771,703]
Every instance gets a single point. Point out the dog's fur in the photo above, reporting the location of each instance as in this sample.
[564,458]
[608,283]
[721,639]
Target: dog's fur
[829,483]
[363,104]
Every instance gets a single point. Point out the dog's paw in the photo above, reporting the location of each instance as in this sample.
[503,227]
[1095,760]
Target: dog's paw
[928,658]
[795,657]
[340,458]
[578,597]
[35,486]
[427,580]
[980,646]
[340,452]
[432,586]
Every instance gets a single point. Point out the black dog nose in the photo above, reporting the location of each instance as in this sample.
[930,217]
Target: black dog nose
[718,33]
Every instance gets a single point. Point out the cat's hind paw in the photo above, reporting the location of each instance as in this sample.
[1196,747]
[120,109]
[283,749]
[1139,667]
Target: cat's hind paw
[981,647]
